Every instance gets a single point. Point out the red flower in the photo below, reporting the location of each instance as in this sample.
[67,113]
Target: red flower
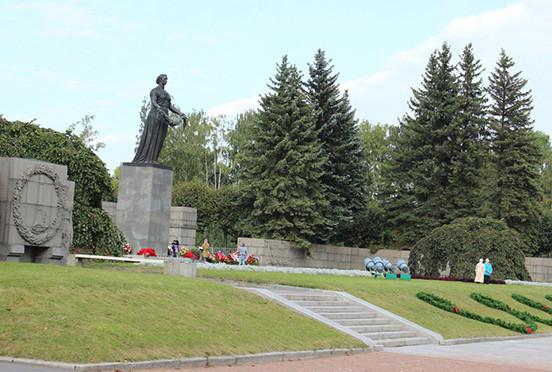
[220,257]
[456,310]
[529,330]
[545,307]
[147,252]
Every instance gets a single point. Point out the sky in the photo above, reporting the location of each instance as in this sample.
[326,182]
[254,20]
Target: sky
[61,60]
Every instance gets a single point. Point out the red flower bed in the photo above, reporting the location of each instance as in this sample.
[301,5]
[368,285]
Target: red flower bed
[147,252]
[451,279]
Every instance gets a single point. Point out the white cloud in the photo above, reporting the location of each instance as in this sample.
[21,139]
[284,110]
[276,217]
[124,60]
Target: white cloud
[523,29]
[233,108]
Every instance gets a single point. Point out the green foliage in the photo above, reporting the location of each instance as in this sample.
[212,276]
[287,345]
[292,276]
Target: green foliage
[238,139]
[422,163]
[444,304]
[94,232]
[534,304]
[92,181]
[284,165]
[548,297]
[343,179]
[517,154]
[460,244]
[522,315]
[197,195]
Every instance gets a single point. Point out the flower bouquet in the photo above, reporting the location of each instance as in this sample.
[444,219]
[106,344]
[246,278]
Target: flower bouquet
[127,249]
[252,260]
[147,252]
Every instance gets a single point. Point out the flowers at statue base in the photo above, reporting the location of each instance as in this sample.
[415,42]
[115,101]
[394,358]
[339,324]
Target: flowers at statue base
[147,252]
[127,249]
[529,330]
[188,253]
[230,259]
[252,260]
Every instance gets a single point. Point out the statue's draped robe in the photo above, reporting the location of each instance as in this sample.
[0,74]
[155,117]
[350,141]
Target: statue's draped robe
[155,129]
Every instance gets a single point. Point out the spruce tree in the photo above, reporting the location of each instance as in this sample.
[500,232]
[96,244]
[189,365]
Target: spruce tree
[422,161]
[470,136]
[343,179]
[284,164]
[516,153]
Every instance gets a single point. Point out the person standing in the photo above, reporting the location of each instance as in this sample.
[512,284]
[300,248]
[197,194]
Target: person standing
[479,271]
[488,271]
[242,253]
[205,249]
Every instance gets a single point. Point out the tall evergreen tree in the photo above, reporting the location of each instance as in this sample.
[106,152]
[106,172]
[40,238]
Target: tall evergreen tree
[422,160]
[284,164]
[470,140]
[344,176]
[514,144]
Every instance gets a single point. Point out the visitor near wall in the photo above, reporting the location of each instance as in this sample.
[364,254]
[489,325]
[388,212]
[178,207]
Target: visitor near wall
[242,253]
[479,271]
[488,271]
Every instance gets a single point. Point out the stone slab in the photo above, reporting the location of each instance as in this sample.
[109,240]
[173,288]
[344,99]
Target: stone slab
[144,206]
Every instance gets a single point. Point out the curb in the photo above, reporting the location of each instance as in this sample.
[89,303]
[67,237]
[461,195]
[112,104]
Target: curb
[197,362]
[460,341]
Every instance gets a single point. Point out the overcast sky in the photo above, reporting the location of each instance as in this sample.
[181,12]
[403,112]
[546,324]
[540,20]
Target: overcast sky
[61,60]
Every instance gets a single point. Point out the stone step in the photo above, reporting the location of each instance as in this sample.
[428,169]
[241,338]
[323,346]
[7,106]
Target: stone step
[390,335]
[305,297]
[336,309]
[381,328]
[335,302]
[355,322]
[348,315]
[370,322]
[408,341]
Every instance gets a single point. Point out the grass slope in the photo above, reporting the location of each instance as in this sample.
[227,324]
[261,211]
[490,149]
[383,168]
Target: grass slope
[92,315]
[399,297]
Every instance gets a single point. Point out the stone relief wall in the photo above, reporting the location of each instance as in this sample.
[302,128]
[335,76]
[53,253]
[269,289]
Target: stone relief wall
[36,206]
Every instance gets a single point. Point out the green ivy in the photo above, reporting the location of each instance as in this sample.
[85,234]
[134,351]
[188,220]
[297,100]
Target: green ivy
[499,305]
[444,304]
[534,304]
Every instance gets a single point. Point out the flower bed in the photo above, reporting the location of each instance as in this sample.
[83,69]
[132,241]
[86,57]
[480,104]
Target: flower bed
[548,297]
[534,304]
[452,279]
[444,304]
[127,249]
[499,305]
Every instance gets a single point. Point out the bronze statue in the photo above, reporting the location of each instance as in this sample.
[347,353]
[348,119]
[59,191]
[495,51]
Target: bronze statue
[157,123]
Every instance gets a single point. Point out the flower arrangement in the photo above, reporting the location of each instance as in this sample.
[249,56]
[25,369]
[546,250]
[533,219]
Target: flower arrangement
[188,253]
[127,249]
[444,304]
[147,252]
[252,260]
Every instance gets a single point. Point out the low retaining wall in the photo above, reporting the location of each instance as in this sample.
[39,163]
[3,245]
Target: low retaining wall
[281,253]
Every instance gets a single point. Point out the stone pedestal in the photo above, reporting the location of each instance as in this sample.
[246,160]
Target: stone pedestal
[144,205]
[36,208]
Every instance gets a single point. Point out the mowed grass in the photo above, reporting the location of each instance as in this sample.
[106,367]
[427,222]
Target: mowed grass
[92,315]
[399,297]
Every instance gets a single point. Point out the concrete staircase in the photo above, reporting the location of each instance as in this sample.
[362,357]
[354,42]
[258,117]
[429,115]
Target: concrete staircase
[353,314]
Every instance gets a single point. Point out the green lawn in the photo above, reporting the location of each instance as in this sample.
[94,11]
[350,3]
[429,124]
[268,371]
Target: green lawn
[92,314]
[399,297]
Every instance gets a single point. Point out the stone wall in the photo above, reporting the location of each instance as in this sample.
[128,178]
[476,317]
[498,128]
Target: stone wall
[182,225]
[281,253]
[539,268]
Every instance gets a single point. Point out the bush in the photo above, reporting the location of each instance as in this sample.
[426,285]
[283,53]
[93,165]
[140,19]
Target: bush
[92,228]
[460,244]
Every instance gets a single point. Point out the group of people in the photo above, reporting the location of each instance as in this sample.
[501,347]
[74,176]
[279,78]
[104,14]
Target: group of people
[483,271]
[204,252]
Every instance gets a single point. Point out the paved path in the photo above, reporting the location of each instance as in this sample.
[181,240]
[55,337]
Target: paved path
[531,352]
[17,367]
[377,361]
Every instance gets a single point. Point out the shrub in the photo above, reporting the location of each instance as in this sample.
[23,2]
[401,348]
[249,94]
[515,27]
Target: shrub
[460,244]
[92,228]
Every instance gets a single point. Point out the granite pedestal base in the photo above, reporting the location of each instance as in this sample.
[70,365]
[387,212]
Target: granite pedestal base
[144,205]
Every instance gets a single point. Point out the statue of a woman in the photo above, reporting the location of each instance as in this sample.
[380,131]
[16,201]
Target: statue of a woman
[157,123]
